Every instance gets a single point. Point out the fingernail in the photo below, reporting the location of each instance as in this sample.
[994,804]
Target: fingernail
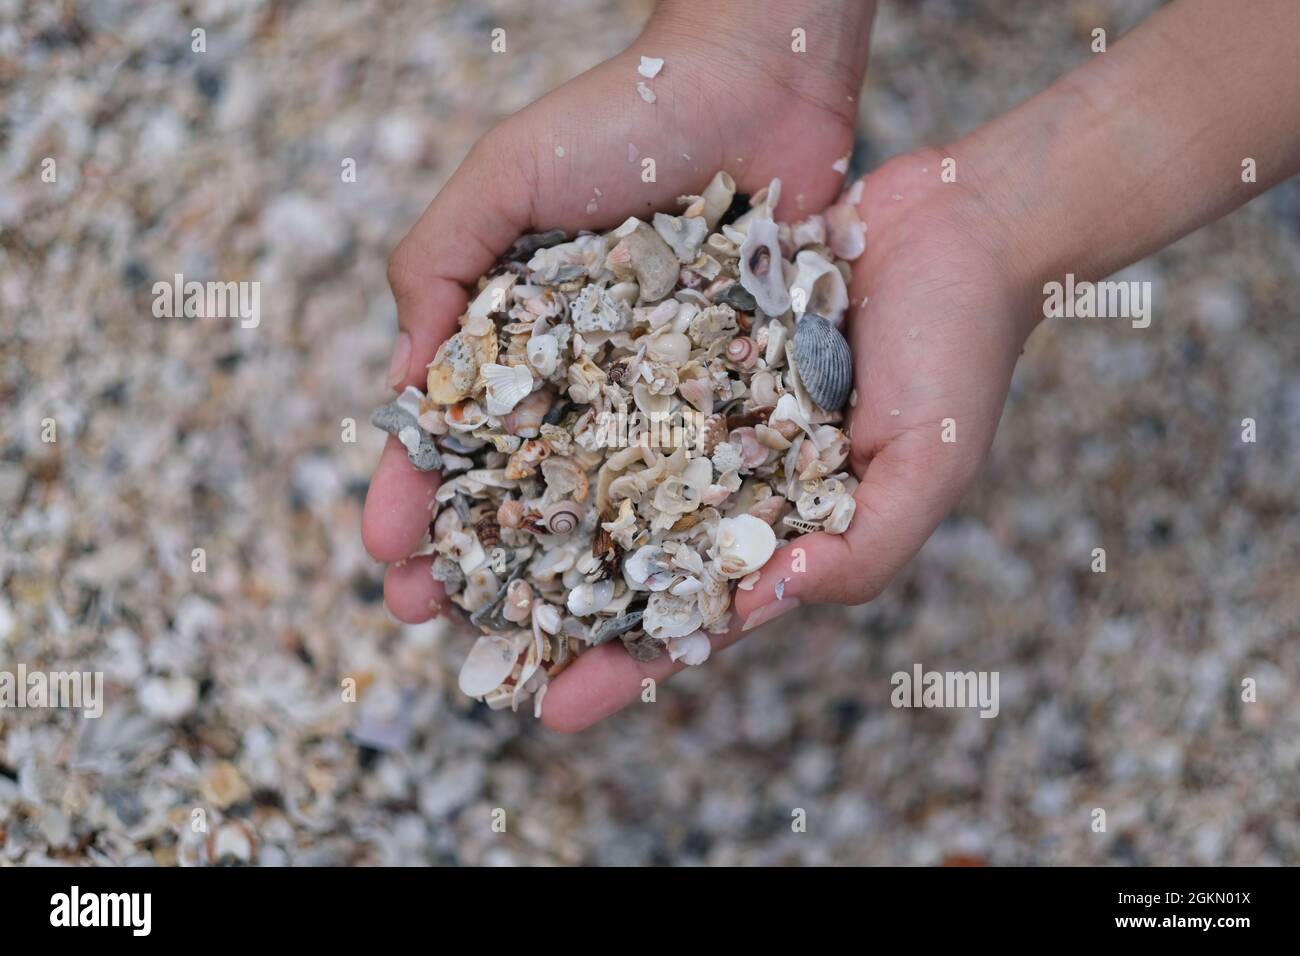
[769,612]
[400,361]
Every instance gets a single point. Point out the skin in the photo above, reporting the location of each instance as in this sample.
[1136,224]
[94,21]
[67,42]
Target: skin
[1085,178]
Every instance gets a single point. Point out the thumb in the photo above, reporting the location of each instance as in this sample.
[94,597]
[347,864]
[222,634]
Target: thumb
[475,217]
[906,490]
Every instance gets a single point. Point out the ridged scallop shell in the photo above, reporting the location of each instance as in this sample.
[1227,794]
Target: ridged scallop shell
[825,362]
[563,517]
[507,386]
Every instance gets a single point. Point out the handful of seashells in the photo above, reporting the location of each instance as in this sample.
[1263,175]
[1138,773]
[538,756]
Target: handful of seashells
[629,425]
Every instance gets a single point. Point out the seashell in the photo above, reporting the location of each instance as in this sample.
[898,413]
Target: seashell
[562,517]
[466,416]
[525,419]
[668,616]
[518,604]
[642,647]
[510,513]
[690,649]
[818,287]
[752,451]
[668,347]
[598,310]
[717,322]
[584,256]
[684,236]
[524,462]
[494,298]
[717,198]
[506,386]
[641,251]
[774,344]
[841,515]
[678,494]
[699,392]
[846,231]
[825,362]
[743,351]
[455,367]
[543,354]
[648,569]
[762,270]
[801,525]
[769,509]
[745,543]
[526,246]
[565,477]
[712,432]
[490,661]
[590,598]
[614,627]
[817,502]
[809,232]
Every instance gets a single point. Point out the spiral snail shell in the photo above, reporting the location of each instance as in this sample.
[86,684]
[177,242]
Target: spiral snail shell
[743,351]
[562,517]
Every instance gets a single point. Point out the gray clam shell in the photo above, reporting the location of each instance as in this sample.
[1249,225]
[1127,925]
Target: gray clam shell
[825,363]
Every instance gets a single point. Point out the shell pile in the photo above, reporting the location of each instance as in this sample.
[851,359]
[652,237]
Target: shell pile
[629,425]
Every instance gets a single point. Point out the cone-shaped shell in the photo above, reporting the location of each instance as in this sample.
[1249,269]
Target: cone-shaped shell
[825,363]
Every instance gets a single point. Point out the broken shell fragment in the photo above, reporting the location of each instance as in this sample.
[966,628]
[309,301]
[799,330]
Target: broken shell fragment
[647,256]
[506,386]
[761,270]
[825,362]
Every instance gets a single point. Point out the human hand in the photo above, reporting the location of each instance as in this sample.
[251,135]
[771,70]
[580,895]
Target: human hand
[941,315]
[567,161]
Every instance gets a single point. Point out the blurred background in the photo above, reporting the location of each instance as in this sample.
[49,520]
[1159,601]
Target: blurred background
[1119,691]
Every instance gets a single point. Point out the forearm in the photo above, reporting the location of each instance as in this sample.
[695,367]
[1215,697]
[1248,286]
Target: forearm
[825,63]
[1146,142]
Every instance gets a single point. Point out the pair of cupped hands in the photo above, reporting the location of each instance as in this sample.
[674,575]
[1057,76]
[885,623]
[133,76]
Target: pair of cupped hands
[935,325]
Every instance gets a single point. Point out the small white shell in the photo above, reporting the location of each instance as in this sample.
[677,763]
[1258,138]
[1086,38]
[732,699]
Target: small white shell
[818,287]
[590,598]
[692,649]
[847,233]
[668,616]
[543,354]
[490,661]
[745,544]
[507,386]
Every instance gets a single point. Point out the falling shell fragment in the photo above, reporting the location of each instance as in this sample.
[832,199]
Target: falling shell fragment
[558,527]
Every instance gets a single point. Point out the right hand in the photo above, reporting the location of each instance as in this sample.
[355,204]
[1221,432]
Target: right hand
[757,115]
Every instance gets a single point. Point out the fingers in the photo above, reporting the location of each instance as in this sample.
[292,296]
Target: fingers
[398,506]
[606,679]
[410,594]
[905,492]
